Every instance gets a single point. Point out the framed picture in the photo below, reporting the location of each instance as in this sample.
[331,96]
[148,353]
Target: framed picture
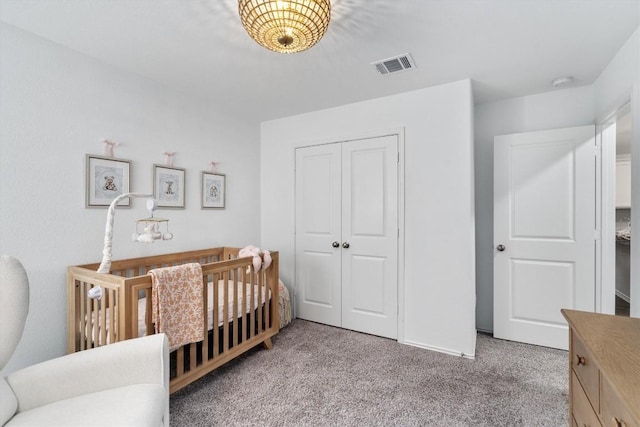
[168,186]
[107,178]
[213,190]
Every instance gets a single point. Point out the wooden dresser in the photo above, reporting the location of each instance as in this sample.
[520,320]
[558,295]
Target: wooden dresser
[604,377]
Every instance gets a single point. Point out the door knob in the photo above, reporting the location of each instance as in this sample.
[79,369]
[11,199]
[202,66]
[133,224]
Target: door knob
[335,244]
[345,245]
[501,248]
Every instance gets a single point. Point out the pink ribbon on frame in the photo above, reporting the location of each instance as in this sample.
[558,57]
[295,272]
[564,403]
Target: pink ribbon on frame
[168,157]
[108,147]
[214,166]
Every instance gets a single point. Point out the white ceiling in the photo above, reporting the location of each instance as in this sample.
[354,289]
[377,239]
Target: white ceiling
[507,47]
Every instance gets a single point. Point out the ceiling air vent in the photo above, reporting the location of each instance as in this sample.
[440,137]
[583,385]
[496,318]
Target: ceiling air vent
[395,64]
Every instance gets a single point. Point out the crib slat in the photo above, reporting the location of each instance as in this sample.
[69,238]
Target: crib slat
[192,356]
[102,322]
[111,315]
[252,280]
[180,361]
[245,304]
[87,320]
[91,327]
[235,308]
[95,327]
[266,300]
[216,315]
[73,304]
[135,315]
[148,315]
[83,315]
[260,303]
[205,298]
[225,311]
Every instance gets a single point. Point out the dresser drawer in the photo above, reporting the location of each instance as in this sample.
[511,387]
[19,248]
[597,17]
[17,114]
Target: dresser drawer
[614,412]
[583,364]
[583,413]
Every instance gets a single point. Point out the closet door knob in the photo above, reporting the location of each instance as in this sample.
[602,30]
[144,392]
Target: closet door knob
[345,245]
[335,244]
[501,248]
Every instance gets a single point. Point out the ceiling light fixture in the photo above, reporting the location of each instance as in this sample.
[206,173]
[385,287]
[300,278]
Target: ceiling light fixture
[285,26]
[562,81]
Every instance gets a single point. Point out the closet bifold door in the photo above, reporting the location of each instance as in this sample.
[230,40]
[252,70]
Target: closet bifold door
[318,227]
[347,234]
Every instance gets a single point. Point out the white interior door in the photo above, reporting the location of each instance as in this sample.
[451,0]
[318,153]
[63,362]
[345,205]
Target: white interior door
[370,236]
[544,232]
[347,234]
[318,226]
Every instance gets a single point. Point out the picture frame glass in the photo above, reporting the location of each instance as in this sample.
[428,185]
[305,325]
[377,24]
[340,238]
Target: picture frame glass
[213,190]
[107,178]
[169,186]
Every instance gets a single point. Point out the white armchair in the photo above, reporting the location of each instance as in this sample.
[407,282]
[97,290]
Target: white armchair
[121,384]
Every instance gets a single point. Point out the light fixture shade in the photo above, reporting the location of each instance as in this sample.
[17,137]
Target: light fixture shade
[285,26]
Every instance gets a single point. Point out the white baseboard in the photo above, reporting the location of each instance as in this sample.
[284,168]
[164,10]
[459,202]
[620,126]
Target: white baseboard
[623,296]
[439,349]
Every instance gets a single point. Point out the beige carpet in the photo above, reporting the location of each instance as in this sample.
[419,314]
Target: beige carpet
[317,375]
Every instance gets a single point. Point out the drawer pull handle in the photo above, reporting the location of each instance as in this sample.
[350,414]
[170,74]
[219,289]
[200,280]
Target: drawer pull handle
[581,360]
[618,423]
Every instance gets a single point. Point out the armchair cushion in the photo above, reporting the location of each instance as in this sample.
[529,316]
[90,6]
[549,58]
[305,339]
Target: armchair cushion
[125,383]
[136,361]
[8,402]
[134,405]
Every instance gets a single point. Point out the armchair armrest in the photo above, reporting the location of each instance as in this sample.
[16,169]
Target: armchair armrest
[135,361]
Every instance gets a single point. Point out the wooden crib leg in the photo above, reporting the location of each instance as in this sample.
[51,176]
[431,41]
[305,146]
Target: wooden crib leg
[267,344]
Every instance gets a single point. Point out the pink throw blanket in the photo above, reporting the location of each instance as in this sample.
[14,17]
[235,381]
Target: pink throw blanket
[178,309]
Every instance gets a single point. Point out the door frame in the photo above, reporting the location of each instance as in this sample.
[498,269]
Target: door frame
[605,216]
[399,133]
[605,204]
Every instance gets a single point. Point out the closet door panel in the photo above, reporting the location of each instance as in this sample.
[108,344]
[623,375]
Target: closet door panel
[369,300]
[318,225]
[370,228]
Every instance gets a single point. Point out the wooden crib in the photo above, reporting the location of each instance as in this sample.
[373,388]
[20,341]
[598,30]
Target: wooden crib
[124,309]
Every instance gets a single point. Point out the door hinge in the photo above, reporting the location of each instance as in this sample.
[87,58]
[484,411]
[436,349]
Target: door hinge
[398,157]
[597,235]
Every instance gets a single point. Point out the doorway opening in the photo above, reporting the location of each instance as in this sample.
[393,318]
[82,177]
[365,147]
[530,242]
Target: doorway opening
[623,214]
[616,138]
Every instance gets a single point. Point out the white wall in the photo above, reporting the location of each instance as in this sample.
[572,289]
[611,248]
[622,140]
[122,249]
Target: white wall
[557,109]
[618,82]
[439,302]
[56,105]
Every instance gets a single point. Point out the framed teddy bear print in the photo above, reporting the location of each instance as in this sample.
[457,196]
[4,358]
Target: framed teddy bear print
[107,178]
